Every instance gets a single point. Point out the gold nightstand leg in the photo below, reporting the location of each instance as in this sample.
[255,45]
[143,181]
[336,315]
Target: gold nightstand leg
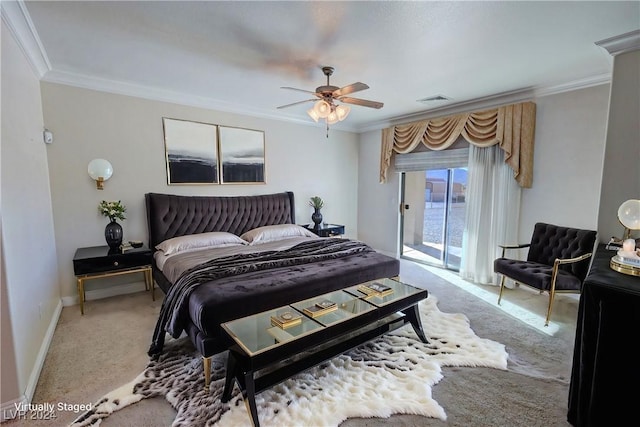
[81,295]
[206,366]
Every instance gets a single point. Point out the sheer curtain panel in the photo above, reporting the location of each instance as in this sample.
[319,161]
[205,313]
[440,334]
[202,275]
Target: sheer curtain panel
[492,213]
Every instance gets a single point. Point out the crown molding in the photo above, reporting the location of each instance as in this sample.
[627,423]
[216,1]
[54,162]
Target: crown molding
[491,101]
[626,42]
[163,95]
[17,19]
[584,83]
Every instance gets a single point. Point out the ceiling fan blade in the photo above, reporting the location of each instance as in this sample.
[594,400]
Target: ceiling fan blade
[361,102]
[296,103]
[354,87]
[299,90]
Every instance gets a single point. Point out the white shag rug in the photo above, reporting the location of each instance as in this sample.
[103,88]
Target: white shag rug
[392,374]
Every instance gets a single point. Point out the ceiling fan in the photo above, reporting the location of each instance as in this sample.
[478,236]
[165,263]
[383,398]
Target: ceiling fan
[328,99]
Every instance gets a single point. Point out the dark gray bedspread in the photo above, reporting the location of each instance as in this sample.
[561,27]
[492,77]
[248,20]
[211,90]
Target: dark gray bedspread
[237,286]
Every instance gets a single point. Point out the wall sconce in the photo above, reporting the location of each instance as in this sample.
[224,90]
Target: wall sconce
[100,170]
[629,216]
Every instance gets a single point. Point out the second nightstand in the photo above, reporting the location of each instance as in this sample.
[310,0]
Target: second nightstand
[98,261]
[326,230]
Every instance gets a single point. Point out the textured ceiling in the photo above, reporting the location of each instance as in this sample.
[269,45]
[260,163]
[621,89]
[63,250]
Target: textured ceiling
[235,56]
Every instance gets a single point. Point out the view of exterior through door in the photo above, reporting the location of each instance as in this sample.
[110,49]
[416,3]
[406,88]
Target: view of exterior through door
[433,215]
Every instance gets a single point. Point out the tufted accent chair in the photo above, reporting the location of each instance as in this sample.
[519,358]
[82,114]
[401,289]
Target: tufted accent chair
[557,261]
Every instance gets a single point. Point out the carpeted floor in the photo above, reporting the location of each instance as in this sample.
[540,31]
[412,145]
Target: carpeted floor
[390,374]
[93,354]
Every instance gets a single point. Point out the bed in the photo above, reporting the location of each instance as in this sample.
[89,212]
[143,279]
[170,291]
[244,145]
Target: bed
[218,258]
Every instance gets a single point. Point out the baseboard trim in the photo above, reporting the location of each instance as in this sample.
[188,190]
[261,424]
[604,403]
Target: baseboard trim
[9,408]
[111,291]
[42,354]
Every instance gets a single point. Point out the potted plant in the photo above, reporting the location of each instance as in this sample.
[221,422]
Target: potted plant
[113,230]
[316,203]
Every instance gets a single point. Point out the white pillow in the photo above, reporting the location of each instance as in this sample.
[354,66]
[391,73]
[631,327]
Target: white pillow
[270,233]
[201,240]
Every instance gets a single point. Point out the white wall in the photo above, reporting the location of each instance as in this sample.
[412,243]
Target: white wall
[621,179]
[567,168]
[569,150]
[30,273]
[378,204]
[128,132]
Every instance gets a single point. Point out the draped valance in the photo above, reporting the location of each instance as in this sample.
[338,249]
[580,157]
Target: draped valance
[511,126]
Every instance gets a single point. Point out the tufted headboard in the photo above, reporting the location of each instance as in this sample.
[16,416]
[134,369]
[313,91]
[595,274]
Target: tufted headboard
[170,215]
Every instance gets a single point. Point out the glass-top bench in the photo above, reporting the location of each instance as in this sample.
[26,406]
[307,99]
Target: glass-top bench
[274,345]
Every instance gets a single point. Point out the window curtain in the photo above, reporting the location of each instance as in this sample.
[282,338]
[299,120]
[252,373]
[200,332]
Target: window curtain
[492,213]
[510,127]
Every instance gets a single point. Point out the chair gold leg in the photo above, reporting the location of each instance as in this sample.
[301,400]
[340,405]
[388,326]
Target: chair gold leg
[552,294]
[206,365]
[501,289]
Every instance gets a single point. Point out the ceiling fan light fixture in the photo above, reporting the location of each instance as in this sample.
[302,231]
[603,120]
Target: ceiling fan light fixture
[322,108]
[332,118]
[329,99]
[313,114]
[342,111]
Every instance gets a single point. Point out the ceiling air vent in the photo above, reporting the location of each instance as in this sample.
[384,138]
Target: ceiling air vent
[432,99]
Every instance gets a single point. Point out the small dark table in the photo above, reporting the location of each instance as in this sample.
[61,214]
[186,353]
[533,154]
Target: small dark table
[99,261]
[604,375]
[325,230]
[259,344]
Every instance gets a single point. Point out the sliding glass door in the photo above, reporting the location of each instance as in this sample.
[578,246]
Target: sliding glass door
[433,215]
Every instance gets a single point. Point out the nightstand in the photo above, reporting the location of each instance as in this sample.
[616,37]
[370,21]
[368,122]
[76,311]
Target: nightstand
[326,230]
[99,262]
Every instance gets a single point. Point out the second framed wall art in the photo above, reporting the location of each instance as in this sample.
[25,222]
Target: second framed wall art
[201,153]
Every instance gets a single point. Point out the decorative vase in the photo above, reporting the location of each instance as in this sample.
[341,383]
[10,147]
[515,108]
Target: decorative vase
[113,235]
[316,217]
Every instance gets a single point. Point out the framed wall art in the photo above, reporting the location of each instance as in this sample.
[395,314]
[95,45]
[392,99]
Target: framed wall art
[242,157]
[191,150]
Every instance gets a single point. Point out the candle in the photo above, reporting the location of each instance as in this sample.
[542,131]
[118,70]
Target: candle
[629,245]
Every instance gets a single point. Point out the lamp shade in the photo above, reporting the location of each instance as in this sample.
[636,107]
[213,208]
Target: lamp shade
[629,214]
[100,168]
[342,111]
[332,117]
[313,114]
[322,108]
